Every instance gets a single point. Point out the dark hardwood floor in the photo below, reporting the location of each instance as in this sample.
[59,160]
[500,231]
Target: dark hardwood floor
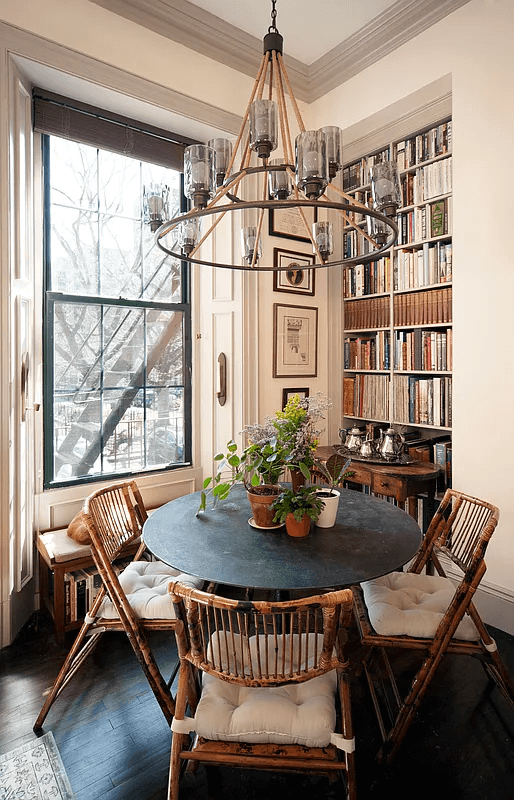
[114,741]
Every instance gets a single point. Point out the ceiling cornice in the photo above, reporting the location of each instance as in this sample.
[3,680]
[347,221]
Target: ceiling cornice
[205,33]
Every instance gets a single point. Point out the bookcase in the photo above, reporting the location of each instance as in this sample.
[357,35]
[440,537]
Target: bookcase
[397,311]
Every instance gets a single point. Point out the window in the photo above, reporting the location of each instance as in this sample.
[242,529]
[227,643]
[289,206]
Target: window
[117,320]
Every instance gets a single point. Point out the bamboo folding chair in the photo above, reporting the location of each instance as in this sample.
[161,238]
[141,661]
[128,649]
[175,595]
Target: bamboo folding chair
[135,601]
[429,613]
[262,679]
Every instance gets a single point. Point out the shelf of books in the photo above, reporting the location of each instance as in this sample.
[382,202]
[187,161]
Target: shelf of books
[397,311]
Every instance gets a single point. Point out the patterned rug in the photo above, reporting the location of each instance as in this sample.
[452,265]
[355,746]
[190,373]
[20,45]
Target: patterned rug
[34,772]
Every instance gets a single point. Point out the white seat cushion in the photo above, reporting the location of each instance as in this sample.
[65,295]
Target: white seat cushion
[300,713]
[407,604]
[145,584]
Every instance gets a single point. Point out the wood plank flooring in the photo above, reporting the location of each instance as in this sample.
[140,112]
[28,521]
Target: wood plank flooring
[115,743]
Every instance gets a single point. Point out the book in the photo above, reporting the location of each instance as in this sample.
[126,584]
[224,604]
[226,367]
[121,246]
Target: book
[437,218]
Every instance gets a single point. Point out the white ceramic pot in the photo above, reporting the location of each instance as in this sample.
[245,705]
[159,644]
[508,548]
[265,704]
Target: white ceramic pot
[328,514]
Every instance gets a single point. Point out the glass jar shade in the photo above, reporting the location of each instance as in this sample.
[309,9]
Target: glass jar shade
[323,235]
[280,184]
[311,163]
[189,234]
[385,188]
[263,127]
[222,155]
[199,178]
[250,243]
[334,146]
[377,229]
[155,204]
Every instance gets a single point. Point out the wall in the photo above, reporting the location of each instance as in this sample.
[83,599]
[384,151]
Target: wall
[474,44]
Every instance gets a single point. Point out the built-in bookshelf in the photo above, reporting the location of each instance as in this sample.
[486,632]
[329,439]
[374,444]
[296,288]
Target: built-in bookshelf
[398,339]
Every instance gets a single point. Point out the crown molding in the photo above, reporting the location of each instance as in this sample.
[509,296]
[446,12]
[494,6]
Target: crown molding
[207,34]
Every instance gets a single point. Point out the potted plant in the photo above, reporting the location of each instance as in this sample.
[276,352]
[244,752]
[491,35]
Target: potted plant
[298,509]
[334,471]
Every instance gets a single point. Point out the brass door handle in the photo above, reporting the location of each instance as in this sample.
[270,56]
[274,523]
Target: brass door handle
[221,394]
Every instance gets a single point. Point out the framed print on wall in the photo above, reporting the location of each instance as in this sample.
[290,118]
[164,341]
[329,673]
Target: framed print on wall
[295,277]
[295,341]
[288,223]
[287,393]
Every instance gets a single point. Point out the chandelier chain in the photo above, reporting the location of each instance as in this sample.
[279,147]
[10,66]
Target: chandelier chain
[273,27]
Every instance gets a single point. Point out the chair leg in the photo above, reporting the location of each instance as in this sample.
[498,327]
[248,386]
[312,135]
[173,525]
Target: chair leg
[153,674]
[493,665]
[75,658]
[178,740]
[347,729]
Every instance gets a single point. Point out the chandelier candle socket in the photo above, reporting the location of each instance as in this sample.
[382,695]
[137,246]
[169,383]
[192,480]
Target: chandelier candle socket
[301,176]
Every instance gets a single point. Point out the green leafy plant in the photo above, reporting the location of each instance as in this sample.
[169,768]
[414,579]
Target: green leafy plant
[334,470]
[300,503]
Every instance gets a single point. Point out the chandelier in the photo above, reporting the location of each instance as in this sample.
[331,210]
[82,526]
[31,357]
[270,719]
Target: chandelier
[217,175]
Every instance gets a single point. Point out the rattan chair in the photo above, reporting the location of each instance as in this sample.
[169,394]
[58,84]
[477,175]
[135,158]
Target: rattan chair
[429,613]
[262,679]
[135,601]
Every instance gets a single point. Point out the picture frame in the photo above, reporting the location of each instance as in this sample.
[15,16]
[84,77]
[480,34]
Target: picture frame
[287,393]
[295,341]
[288,223]
[295,277]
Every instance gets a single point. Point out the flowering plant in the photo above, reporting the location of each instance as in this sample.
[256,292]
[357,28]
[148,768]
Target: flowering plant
[289,440]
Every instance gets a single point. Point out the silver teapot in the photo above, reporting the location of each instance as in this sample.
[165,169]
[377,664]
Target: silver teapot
[390,444]
[367,447]
[354,440]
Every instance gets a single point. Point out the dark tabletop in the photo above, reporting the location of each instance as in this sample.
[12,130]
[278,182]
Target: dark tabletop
[370,538]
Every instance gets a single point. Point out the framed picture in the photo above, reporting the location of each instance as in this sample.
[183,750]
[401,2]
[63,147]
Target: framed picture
[295,277]
[295,341]
[287,393]
[288,223]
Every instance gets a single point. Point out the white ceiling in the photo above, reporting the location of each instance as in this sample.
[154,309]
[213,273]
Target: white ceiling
[311,28]
[326,42]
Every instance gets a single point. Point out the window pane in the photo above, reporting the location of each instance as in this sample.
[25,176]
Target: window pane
[117,400]
[74,174]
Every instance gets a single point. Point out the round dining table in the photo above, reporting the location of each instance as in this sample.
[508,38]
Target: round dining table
[371,537]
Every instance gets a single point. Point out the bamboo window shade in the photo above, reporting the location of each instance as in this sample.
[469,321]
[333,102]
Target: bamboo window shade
[79,122]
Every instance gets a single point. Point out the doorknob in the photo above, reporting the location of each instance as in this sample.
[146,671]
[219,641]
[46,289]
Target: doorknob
[221,394]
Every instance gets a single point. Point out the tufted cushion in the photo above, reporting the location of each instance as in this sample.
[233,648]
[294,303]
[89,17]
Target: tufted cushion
[404,603]
[146,587]
[300,713]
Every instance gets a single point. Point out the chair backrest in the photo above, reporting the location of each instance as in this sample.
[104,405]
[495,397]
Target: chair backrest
[115,516]
[262,643]
[460,529]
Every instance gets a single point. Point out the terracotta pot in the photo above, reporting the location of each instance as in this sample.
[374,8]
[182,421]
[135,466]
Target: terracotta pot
[328,513]
[297,479]
[298,529]
[260,498]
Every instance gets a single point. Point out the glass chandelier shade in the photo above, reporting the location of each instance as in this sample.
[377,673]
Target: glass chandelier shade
[311,163]
[221,179]
[222,155]
[385,188]
[156,204]
[323,235]
[263,127]
[334,147]
[199,176]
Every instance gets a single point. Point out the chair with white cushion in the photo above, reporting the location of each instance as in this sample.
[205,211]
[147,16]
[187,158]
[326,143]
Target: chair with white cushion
[134,601]
[429,613]
[271,685]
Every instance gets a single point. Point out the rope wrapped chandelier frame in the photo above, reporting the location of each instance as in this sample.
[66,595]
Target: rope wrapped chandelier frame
[217,172]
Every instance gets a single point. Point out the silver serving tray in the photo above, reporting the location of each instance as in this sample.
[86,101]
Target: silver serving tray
[402,460]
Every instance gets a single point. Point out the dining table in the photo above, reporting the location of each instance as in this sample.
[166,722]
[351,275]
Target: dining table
[370,538]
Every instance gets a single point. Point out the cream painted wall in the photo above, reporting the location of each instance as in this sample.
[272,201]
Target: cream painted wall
[474,44]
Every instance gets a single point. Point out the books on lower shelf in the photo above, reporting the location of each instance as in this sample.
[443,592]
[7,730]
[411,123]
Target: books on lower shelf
[373,312]
[81,588]
[423,401]
[427,350]
[367,352]
[366,396]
